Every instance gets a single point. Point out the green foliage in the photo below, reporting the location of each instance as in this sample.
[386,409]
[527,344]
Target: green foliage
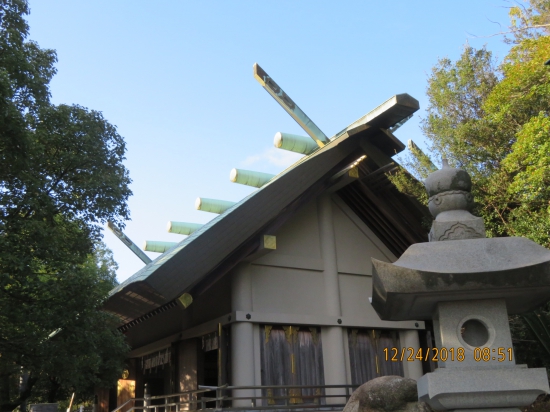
[529,22]
[422,162]
[421,165]
[456,93]
[539,324]
[25,71]
[494,122]
[528,166]
[409,185]
[61,176]
[57,335]
[85,350]
[517,111]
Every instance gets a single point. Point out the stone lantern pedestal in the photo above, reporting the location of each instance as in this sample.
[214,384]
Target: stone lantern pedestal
[468,285]
[482,373]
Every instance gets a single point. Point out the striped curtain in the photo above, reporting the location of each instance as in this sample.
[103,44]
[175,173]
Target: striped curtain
[292,355]
[367,356]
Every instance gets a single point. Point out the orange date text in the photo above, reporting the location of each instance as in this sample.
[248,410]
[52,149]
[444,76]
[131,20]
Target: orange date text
[447,354]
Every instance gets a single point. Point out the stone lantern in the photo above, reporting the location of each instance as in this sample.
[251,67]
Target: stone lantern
[468,285]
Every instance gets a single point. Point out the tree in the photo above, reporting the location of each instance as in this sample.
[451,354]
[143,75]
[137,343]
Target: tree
[494,121]
[529,22]
[84,350]
[61,176]
[92,351]
[456,93]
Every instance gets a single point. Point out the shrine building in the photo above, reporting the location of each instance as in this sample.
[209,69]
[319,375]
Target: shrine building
[275,290]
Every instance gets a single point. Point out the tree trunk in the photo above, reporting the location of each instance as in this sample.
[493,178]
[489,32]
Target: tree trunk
[25,389]
[54,387]
[6,405]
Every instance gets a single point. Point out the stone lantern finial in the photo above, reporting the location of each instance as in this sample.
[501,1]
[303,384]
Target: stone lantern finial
[450,203]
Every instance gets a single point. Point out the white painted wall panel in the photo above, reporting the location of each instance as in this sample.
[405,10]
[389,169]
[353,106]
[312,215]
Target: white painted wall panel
[299,236]
[283,290]
[355,291]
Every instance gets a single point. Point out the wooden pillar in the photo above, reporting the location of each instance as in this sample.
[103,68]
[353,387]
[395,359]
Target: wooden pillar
[242,335]
[333,336]
[409,339]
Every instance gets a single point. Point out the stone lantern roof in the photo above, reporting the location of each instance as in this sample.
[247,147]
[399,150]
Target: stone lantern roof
[459,262]
[468,285]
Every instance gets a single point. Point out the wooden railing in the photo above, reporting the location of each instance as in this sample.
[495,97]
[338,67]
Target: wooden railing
[245,398]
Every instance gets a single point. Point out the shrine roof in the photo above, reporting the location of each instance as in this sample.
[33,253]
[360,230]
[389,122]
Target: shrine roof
[210,252]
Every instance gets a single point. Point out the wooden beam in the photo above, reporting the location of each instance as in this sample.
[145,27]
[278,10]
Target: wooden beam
[404,230]
[129,244]
[290,107]
[372,217]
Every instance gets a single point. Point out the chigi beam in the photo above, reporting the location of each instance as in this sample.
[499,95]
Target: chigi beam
[131,245]
[290,107]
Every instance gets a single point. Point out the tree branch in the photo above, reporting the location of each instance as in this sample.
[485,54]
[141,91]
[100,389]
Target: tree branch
[521,29]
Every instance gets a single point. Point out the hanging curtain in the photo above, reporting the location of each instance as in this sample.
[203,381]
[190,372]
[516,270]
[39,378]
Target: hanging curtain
[309,364]
[367,357]
[362,355]
[389,339]
[275,363]
[292,356]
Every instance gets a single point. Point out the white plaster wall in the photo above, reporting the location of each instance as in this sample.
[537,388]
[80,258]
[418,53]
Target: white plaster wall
[286,290]
[356,245]
[300,234]
[288,285]
[289,280]
[355,291]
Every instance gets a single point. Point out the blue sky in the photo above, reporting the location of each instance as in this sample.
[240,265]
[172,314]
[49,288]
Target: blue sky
[175,77]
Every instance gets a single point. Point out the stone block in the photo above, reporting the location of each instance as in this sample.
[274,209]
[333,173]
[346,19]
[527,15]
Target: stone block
[453,225]
[489,389]
[386,394]
[477,328]
[488,410]
[44,407]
